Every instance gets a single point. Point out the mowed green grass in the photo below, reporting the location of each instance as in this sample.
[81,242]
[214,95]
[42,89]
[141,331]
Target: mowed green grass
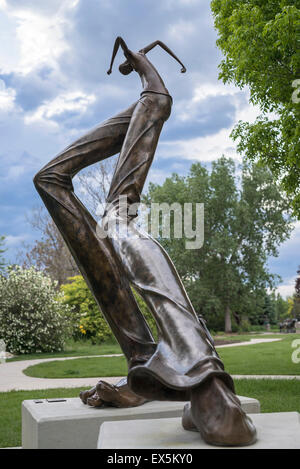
[74,349]
[274,396]
[79,368]
[273,358]
[86,348]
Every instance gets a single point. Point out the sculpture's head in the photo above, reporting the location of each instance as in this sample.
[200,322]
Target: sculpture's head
[126,68]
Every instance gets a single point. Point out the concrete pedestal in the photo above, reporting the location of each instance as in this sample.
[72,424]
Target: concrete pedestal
[69,424]
[275,431]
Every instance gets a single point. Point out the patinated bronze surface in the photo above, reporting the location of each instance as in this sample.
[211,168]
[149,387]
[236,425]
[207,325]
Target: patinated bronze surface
[184,364]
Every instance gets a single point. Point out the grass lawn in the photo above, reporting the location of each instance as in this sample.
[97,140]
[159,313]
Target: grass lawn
[74,349]
[274,396]
[267,359]
[273,358]
[79,368]
[85,347]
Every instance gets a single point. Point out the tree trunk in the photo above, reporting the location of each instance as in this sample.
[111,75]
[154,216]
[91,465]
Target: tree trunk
[228,320]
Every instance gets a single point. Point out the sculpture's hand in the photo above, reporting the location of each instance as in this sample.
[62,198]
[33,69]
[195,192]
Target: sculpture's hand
[109,71]
[183,70]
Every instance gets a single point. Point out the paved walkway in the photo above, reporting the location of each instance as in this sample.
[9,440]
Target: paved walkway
[13,378]
[249,342]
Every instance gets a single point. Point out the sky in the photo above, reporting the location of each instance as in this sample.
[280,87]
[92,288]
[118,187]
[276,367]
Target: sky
[54,88]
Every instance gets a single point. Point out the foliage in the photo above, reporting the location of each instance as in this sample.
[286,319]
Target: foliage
[260,43]
[147,314]
[245,221]
[88,320]
[32,317]
[296,305]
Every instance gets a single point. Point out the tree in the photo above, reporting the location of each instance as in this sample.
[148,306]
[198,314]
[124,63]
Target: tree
[93,185]
[296,306]
[260,43]
[245,221]
[2,261]
[50,253]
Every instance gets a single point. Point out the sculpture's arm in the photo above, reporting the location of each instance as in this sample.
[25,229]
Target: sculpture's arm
[118,42]
[166,48]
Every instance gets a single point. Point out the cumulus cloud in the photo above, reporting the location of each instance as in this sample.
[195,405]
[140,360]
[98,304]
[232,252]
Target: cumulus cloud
[39,33]
[205,149]
[77,102]
[7,98]
[287,288]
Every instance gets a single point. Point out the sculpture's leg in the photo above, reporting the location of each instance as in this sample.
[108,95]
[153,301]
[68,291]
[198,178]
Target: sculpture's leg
[95,256]
[185,364]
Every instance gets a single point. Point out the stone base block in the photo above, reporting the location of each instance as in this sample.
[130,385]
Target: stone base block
[69,424]
[275,431]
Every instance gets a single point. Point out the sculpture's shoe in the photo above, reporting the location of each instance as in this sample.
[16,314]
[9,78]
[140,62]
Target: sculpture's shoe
[105,394]
[118,396]
[95,400]
[84,395]
[215,411]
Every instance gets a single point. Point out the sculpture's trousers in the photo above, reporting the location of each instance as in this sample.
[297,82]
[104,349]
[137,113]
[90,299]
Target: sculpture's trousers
[184,356]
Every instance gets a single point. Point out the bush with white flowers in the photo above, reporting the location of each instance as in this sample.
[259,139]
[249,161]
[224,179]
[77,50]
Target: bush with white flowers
[32,316]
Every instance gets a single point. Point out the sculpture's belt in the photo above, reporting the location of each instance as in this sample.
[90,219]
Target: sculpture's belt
[156,92]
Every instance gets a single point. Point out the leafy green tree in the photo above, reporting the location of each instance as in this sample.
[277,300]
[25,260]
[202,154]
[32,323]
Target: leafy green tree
[269,312]
[245,221]
[260,43]
[296,307]
[281,306]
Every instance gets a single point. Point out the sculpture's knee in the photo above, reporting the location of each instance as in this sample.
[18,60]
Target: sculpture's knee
[48,176]
[37,180]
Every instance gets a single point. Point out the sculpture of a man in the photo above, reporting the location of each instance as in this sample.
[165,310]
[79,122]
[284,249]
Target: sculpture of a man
[183,364]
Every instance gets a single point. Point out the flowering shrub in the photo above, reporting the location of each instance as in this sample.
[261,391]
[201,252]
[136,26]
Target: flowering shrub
[87,317]
[32,315]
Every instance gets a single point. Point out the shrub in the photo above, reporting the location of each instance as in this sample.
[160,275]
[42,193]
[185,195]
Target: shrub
[245,326]
[32,317]
[88,321]
[147,314]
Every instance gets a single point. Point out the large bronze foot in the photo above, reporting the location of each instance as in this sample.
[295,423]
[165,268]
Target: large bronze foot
[105,394]
[215,412]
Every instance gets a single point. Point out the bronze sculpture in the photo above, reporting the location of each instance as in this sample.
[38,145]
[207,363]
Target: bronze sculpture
[184,364]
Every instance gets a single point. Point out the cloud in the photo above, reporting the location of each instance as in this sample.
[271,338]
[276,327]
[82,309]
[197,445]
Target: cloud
[181,31]
[11,241]
[288,288]
[74,102]
[39,33]
[7,97]
[205,149]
